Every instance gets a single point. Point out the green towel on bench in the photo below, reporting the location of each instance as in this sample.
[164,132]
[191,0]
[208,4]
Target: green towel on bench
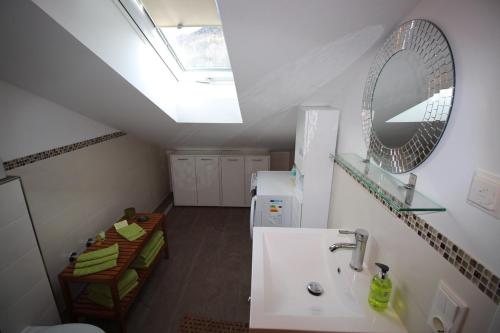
[95,261]
[141,262]
[128,277]
[151,244]
[92,255]
[101,293]
[95,268]
[131,232]
[108,301]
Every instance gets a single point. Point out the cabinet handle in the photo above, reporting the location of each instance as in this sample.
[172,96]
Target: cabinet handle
[233,159]
[258,160]
[182,159]
[207,159]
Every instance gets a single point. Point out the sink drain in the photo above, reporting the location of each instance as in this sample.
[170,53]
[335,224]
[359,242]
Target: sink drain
[314,288]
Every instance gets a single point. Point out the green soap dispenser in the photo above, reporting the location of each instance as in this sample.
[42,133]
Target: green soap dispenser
[380,289]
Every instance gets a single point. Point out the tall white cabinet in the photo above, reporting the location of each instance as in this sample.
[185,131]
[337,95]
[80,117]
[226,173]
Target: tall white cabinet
[316,139]
[214,180]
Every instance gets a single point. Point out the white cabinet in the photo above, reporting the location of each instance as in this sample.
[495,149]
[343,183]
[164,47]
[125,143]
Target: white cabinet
[214,180]
[233,181]
[252,165]
[184,180]
[207,181]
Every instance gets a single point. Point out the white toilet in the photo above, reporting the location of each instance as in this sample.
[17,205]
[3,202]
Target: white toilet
[65,328]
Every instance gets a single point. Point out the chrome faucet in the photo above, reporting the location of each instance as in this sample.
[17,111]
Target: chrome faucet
[358,254]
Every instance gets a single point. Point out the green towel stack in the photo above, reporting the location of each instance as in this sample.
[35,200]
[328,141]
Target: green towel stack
[101,293]
[149,251]
[131,232]
[96,261]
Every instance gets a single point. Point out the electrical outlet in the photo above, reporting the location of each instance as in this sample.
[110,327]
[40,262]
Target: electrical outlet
[484,192]
[447,312]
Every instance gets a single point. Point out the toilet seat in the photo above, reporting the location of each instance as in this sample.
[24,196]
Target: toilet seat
[65,328]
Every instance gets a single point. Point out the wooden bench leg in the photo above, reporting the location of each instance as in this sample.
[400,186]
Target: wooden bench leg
[164,227]
[68,300]
[117,308]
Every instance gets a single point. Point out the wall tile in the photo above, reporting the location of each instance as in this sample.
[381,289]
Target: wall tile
[22,232]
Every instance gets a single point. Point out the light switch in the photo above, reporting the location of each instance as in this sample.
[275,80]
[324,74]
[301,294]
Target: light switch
[447,311]
[484,192]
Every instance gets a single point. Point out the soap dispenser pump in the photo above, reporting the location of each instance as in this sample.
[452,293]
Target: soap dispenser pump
[380,288]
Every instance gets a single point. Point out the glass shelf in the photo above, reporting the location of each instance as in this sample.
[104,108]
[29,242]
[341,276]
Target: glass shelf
[392,190]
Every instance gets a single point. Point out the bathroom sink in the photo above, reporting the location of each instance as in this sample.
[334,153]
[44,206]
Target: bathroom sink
[286,260]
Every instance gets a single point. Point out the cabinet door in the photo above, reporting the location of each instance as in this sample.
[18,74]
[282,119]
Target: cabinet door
[233,181]
[207,181]
[252,165]
[184,180]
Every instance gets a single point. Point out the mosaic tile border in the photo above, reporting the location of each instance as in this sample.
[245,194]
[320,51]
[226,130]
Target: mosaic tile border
[25,160]
[487,282]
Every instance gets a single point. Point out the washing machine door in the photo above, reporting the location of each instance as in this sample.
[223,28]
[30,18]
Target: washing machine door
[252,214]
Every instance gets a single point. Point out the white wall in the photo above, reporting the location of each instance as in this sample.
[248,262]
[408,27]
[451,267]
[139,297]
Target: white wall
[75,195]
[30,124]
[472,138]
[415,267]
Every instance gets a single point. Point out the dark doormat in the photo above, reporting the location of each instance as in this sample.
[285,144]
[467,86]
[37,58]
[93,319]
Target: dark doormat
[196,324]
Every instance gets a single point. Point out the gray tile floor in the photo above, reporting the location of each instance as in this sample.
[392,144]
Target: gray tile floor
[208,272]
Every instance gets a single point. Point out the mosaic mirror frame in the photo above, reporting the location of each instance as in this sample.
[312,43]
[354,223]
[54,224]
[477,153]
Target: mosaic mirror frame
[428,42]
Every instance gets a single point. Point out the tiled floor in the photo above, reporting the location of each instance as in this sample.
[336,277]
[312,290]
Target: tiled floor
[208,272]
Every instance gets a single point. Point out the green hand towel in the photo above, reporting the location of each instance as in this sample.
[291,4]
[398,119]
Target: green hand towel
[131,232]
[96,261]
[108,301]
[107,251]
[130,276]
[146,262]
[94,269]
[151,244]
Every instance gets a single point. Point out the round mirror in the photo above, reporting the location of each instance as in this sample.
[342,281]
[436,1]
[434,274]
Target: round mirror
[408,96]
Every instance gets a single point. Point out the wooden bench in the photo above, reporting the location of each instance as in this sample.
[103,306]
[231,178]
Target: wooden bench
[81,305]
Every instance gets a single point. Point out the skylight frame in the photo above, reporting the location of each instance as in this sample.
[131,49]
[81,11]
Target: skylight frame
[179,61]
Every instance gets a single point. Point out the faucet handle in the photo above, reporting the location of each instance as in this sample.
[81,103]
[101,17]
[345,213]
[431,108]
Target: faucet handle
[360,234]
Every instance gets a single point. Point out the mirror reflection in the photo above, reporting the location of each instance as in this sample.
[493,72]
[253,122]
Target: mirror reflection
[399,99]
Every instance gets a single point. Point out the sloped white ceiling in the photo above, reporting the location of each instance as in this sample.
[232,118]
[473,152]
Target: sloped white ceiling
[281,52]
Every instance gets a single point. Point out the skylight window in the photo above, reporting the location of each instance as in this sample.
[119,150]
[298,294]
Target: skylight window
[198,48]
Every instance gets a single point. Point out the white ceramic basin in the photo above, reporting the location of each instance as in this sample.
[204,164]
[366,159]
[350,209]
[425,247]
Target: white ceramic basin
[285,260]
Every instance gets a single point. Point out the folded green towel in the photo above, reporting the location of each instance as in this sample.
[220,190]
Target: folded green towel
[131,232]
[130,276]
[140,262]
[151,244]
[95,268]
[96,261]
[108,301]
[156,249]
[107,251]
